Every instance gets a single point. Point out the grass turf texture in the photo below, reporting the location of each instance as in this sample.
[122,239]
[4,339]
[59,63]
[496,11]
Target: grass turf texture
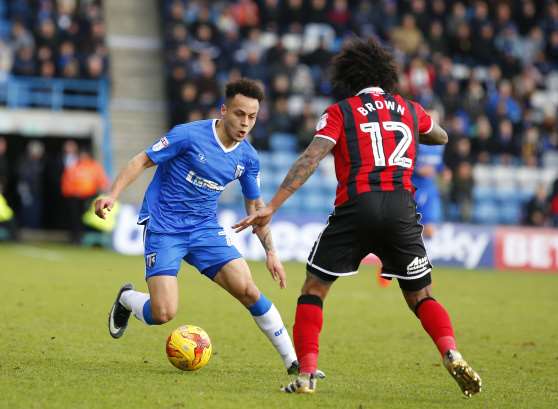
[55,351]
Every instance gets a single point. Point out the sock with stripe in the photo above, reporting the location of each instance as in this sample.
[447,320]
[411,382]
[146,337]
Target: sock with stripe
[269,321]
[306,331]
[140,305]
[436,322]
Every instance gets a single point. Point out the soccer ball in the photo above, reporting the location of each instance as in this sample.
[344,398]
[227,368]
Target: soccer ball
[188,348]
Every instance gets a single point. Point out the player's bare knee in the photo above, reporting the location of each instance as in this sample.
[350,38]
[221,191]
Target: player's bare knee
[413,298]
[315,286]
[248,294]
[251,294]
[162,315]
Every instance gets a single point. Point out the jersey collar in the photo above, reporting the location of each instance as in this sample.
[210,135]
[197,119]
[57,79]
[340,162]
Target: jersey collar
[225,149]
[371,90]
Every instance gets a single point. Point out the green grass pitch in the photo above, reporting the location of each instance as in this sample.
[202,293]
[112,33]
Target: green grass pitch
[55,351]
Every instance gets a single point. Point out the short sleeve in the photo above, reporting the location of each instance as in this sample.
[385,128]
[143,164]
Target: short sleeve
[425,122]
[169,146]
[250,179]
[330,124]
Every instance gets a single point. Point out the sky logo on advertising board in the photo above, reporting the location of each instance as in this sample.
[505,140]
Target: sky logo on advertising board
[459,244]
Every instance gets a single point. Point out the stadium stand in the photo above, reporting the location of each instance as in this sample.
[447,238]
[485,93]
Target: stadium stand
[53,85]
[499,100]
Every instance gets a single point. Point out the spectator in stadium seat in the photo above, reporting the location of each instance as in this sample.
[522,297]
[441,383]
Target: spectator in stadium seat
[24,62]
[553,204]
[317,12]
[6,61]
[437,39]
[4,167]
[488,53]
[81,183]
[292,16]
[482,145]
[280,120]
[507,145]
[269,10]
[20,37]
[461,190]
[94,68]
[537,208]
[407,37]
[47,69]
[339,16]
[527,17]
[188,102]
[30,172]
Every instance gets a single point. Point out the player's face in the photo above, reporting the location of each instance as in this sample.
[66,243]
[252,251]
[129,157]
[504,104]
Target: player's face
[239,116]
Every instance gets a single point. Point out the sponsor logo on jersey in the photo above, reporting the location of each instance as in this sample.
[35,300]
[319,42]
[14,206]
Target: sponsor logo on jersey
[150,259]
[418,265]
[202,182]
[162,144]
[239,171]
[322,122]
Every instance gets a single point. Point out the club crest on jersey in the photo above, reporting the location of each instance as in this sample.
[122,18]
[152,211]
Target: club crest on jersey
[150,259]
[322,122]
[162,144]
[239,171]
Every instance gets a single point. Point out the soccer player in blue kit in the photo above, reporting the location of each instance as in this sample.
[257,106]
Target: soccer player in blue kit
[195,161]
[429,163]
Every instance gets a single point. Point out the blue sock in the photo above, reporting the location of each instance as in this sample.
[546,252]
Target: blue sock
[260,307]
[147,316]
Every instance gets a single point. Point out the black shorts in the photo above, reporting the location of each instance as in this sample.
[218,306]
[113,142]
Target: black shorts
[383,223]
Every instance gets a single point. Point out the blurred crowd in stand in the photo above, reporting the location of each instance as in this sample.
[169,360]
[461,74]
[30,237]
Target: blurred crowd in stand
[53,38]
[51,190]
[487,68]
[49,184]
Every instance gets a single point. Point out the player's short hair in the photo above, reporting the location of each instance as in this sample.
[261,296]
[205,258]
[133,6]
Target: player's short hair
[244,86]
[360,64]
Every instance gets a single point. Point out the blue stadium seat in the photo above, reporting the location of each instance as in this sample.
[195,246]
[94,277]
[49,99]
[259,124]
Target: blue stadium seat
[483,193]
[283,142]
[510,213]
[486,212]
[282,161]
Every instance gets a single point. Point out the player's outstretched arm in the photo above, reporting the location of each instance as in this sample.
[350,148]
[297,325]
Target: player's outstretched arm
[133,169]
[263,232]
[437,136]
[298,174]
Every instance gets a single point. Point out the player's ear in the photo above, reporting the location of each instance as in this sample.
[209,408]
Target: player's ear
[223,109]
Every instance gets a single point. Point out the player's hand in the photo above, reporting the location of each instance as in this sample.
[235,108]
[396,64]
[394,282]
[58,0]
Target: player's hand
[103,205]
[276,268]
[260,218]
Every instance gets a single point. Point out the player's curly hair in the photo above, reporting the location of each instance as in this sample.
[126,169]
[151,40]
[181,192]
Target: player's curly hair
[360,64]
[244,86]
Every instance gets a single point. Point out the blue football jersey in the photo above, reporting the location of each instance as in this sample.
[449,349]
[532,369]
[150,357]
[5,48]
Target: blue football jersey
[428,155]
[193,169]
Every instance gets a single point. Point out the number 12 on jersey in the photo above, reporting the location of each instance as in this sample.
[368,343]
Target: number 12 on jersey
[396,158]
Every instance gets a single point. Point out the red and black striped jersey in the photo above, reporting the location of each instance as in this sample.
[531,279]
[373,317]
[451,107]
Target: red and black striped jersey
[376,141]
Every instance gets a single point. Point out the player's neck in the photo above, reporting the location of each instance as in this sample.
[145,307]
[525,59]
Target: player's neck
[225,139]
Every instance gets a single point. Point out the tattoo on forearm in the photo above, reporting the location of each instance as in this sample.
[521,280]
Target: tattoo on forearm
[266,240]
[306,164]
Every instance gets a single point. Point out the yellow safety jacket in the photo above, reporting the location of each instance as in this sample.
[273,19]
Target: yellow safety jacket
[103,225]
[6,213]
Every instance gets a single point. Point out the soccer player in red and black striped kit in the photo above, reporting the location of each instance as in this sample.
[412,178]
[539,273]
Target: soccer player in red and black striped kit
[374,135]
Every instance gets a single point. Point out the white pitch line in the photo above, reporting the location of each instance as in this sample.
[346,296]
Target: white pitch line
[40,253]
